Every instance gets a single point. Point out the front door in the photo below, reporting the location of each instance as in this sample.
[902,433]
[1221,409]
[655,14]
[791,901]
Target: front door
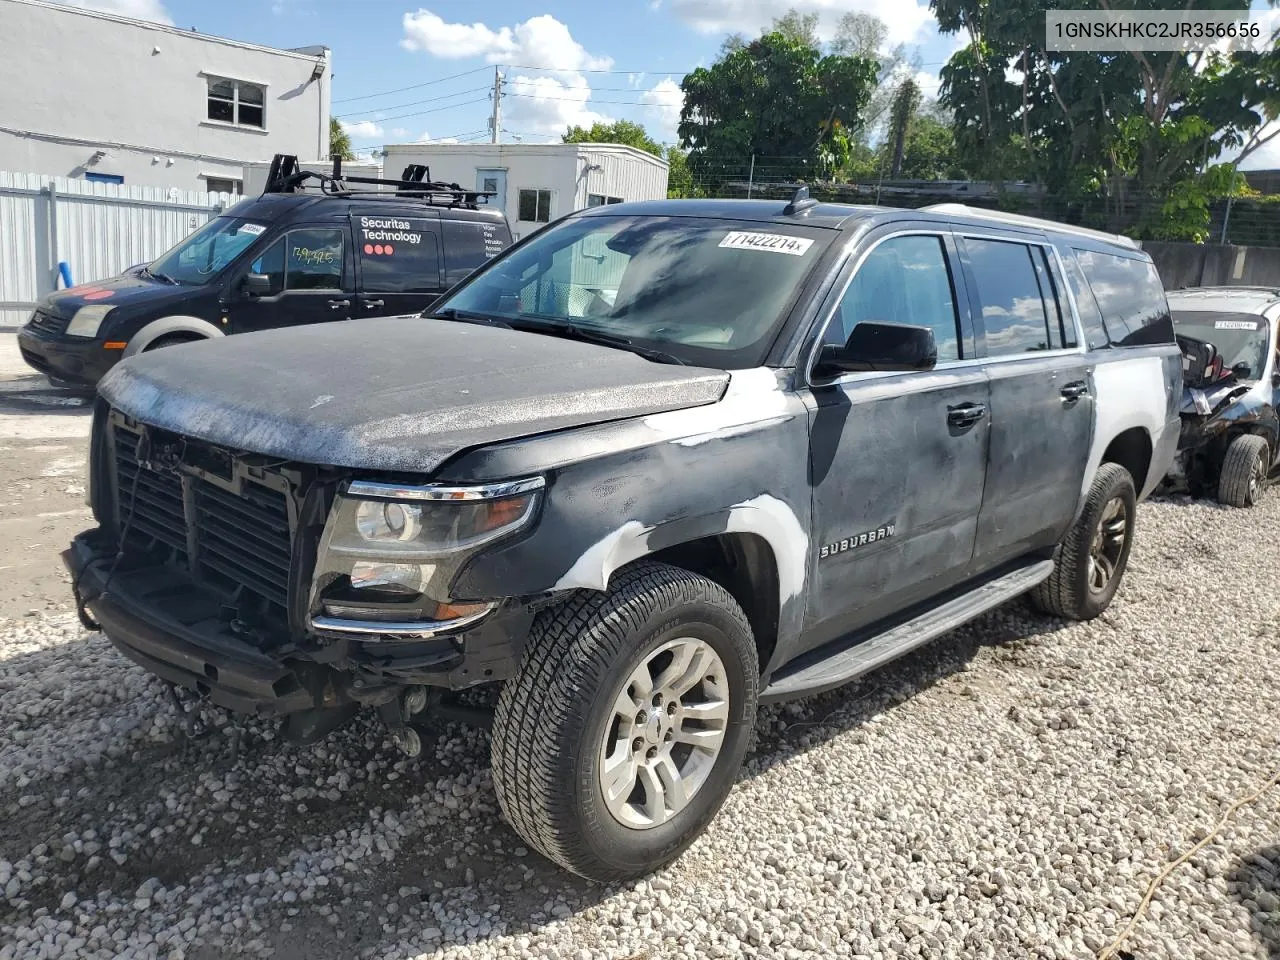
[1041,409]
[399,264]
[495,182]
[897,460]
[311,281]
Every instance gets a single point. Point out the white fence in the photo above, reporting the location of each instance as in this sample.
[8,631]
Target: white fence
[97,229]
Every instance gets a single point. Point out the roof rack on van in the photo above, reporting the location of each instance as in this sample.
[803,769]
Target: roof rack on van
[286,176]
[960,209]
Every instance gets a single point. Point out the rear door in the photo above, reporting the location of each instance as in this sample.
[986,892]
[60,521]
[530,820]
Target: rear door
[311,275]
[399,257]
[897,460]
[1042,412]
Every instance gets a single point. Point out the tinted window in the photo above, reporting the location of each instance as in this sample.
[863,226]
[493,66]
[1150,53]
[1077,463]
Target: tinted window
[1013,311]
[313,259]
[271,263]
[903,280]
[1062,330]
[469,244]
[1130,296]
[398,254]
[708,291]
[535,206]
[1095,331]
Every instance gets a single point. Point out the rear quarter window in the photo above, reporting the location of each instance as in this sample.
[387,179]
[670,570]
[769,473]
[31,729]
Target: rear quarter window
[469,245]
[1129,296]
[398,254]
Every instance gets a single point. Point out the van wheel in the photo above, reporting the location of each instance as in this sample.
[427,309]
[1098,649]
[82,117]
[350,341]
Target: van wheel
[1090,561]
[1244,471]
[624,728]
[171,340]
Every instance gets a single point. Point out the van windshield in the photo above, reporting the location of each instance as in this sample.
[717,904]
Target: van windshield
[196,259]
[706,291]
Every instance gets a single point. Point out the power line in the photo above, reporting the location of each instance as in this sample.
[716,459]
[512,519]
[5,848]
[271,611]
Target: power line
[423,113]
[411,103]
[414,86]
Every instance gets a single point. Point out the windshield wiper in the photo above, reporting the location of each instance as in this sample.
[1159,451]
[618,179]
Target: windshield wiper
[571,331]
[147,271]
[463,316]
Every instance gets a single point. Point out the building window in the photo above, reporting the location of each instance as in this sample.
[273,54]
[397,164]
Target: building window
[234,101]
[535,206]
[222,185]
[599,200]
[103,177]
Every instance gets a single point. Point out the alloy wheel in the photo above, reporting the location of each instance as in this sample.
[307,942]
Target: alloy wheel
[1108,544]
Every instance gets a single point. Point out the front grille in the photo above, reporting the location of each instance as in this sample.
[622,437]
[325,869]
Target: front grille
[242,541]
[46,322]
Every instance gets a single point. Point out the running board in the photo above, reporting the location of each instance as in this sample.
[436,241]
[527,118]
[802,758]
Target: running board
[852,662]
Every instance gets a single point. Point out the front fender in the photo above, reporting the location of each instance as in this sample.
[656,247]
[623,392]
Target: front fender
[156,329]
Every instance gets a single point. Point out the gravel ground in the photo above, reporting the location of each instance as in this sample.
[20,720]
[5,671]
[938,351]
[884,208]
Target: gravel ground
[1007,793]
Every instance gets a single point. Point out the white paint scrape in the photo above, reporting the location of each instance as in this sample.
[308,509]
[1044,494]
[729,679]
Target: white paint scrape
[772,519]
[593,569]
[754,399]
[1130,393]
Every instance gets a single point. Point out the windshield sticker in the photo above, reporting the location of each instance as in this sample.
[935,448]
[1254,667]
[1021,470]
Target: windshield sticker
[253,229]
[767,242]
[380,236]
[1235,325]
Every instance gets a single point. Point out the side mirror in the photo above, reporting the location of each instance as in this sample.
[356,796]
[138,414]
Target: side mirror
[881,346]
[258,285]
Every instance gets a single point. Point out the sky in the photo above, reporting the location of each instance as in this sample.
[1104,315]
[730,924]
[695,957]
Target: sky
[404,73]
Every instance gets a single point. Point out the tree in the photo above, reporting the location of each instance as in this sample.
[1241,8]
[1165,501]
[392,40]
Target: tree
[860,35]
[928,152]
[778,98]
[339,142]
[903,110]
[680,182]
[797,26]
[621,131]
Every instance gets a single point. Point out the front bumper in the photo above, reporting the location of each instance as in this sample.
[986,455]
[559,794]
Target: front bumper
[183,633]
[73,359]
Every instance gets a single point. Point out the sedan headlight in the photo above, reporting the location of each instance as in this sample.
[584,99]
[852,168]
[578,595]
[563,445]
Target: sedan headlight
[87,320]
[389,552]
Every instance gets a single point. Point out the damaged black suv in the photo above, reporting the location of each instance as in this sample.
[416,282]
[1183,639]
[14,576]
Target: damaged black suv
[652,467]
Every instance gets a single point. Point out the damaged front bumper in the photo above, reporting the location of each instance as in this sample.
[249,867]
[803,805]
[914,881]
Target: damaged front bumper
[188,636]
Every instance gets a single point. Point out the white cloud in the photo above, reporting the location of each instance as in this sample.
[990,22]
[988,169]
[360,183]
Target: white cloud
[427,138]
[663,102]
[152,10]
[361,129]
[905,20]
[548,105]
[399,132]
[541,41]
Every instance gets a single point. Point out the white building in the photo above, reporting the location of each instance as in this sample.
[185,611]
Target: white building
[537,183]
[95,96]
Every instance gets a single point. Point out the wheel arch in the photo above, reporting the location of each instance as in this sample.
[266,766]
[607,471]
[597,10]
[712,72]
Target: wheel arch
[166,326]
[1131,449]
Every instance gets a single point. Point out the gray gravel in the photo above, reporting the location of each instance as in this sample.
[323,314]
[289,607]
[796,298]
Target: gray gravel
[1007,793]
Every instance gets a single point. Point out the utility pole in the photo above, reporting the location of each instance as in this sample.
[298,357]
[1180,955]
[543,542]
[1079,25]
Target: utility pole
[495,121]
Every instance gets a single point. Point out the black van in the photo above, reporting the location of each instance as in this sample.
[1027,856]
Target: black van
[291,256]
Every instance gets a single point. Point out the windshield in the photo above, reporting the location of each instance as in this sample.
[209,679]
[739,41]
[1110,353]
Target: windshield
[708,292]
[1240,338]
[196,259]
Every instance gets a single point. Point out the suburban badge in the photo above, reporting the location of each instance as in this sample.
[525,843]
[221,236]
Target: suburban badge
[861,540]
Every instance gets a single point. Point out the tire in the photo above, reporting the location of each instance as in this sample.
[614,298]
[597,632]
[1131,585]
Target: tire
[171,340]
[1073,590]
[557,716]
[1244,470]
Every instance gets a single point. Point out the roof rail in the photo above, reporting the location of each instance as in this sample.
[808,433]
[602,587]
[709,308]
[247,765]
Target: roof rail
[287,176]
[980,213]
[799,203]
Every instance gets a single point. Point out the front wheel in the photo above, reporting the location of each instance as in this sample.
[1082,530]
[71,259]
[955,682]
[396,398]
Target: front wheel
[624,728]
[1244,471]
[1090,561]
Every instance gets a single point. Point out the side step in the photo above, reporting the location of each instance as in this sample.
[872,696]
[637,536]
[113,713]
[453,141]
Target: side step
[852,662]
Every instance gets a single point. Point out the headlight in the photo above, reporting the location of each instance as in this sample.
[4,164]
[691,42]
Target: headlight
[391,551]
[86,321]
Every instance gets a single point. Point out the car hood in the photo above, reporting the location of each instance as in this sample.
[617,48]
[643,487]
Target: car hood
[112,292]
[399,393]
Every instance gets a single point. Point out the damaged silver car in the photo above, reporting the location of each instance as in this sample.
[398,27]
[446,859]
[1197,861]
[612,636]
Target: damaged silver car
[1230,442]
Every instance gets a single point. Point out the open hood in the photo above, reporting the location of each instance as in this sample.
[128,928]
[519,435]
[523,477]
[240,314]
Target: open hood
[398,393]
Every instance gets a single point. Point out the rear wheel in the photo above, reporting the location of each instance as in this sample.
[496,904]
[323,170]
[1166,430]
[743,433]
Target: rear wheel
[1090,561]
[624,729]
[1244,471]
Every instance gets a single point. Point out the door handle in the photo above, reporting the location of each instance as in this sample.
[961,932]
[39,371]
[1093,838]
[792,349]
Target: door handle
[1074,391]
[339,304]
[373,304]
[965,414]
